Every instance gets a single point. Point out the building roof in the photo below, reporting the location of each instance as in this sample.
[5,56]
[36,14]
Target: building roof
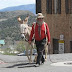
[2,42]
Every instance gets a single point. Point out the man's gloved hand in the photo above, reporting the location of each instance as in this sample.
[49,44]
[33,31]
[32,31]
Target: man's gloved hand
[48,43]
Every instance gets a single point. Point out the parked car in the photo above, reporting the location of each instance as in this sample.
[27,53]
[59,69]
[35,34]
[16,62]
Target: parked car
[34,52]
[21,54]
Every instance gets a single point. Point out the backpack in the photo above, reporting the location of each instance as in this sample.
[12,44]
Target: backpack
[44,26]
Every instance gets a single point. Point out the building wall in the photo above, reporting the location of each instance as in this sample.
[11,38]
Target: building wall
[59,24]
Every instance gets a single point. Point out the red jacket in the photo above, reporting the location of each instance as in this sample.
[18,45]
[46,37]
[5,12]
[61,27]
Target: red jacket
[43,35]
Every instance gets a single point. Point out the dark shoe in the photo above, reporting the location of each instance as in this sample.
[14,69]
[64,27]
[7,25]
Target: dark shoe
[37,65]
[43,61]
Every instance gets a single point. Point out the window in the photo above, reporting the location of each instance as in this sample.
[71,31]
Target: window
[53,6]
[38,6]
[49,6]
[68,6]
[57,6]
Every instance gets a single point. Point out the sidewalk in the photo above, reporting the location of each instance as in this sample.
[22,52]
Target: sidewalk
[20,64]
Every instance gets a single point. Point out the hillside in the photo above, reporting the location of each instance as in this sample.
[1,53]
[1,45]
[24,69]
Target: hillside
[29,7]
[11,14]
[9,28]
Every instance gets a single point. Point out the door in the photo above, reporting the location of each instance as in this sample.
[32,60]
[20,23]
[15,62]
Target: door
[55,46]
[71,46]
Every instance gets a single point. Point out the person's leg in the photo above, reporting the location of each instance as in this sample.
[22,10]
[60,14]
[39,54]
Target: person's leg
[40,49]
[39,58]
[39,55]
[42,59]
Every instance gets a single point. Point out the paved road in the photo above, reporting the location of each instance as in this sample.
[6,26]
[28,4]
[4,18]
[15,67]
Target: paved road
[20,64]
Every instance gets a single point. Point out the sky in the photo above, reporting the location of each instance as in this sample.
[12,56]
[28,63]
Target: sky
[10,3]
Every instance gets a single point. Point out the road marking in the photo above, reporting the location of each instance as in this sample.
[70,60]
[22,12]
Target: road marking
[1,62]
[65,63]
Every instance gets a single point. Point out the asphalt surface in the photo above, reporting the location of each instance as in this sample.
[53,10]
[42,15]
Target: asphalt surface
[21,64]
